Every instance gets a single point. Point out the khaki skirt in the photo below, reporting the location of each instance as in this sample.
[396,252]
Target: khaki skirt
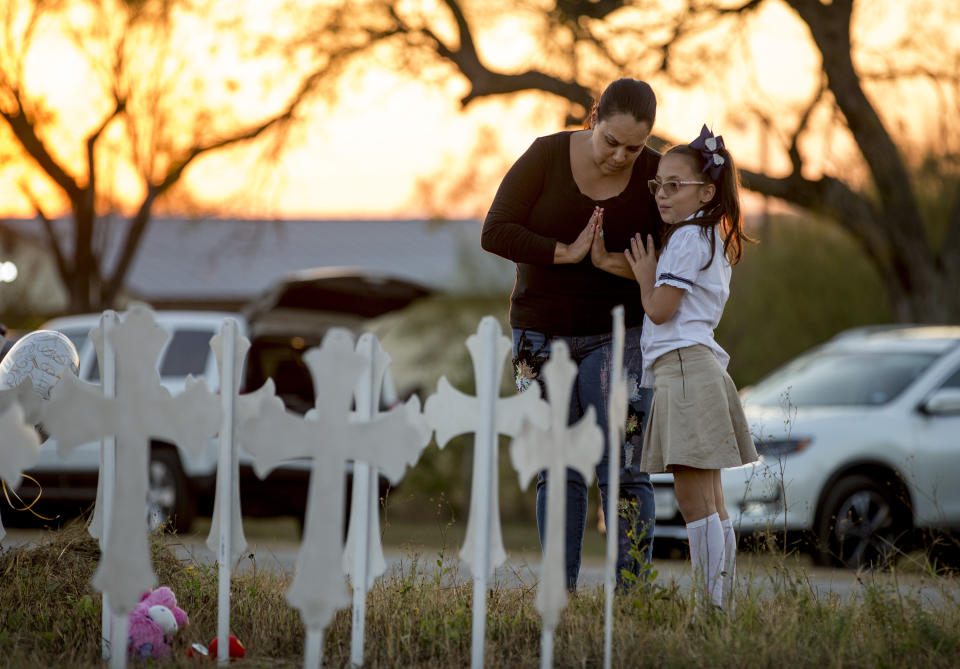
[696,418]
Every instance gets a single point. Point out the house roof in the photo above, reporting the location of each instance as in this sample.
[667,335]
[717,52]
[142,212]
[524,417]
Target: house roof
[234,260]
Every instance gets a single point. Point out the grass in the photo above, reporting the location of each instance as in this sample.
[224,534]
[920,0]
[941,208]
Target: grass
[419,615]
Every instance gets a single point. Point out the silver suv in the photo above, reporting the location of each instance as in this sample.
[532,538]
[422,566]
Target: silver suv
[859,443]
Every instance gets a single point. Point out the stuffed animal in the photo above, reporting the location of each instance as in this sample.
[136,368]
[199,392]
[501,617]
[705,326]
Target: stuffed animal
[153,623]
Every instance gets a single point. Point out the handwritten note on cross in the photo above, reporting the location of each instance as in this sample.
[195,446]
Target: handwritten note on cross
[142,410]
[578,447]
[327,435]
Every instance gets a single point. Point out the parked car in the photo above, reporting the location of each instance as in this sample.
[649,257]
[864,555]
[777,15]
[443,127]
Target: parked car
[859,443]
[283,324]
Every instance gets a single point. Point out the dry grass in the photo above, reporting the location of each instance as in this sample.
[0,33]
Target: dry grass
[419,616]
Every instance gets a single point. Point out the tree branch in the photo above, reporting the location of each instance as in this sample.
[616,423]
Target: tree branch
[91,189]
[794,149]
[591,9]
[831,198]
[62,267]
[830,27]
[485,82]
[138,224]
[26,134]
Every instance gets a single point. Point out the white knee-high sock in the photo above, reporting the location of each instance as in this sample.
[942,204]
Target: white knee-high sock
[706,553]
[729,561]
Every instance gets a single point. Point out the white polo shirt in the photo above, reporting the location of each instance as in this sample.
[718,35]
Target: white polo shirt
[700,309]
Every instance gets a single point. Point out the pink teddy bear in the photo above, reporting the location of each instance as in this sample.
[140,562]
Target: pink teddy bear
[153,623]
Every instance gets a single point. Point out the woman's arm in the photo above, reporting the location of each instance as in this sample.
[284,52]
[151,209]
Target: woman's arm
[659,303]
[504,230]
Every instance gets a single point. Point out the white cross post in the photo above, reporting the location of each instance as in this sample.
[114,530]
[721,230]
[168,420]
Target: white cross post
[577,447]
[226,536]
[106,481]
[617,419]
[363,558]
[142,409]
[107,360]
[328,436]
[450,413]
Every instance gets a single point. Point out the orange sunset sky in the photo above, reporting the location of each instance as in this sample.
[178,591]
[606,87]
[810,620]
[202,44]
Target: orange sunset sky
[362,157]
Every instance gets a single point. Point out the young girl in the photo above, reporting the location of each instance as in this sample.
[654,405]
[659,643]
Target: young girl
[696,425]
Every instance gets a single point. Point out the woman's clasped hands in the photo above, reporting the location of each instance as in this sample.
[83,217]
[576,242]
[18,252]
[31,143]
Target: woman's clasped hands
[640,259]
[585,241]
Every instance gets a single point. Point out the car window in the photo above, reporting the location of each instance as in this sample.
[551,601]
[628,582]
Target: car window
[839,379]
[953,381]
[187,353]
[77,337]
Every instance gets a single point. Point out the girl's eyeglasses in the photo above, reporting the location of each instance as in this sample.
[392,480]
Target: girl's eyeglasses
[670,187]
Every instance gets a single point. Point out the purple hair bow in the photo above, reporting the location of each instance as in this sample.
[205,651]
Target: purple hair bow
[709,148]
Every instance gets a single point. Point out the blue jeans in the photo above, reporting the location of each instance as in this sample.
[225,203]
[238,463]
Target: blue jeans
[593,355]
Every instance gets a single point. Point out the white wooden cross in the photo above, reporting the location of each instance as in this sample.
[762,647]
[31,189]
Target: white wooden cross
[106,481]
[363,558]
[577,447]
[327,435]
[31,404]
[616,423]
[21,444]
[450,413]
[142,410]
[227,520]
[226,537]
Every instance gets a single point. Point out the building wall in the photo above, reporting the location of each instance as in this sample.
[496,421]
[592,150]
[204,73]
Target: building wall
[37,290]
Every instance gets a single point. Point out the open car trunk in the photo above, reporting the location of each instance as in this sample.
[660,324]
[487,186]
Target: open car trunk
[293,315]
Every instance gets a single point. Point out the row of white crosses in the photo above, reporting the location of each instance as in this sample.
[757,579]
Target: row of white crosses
[133,407]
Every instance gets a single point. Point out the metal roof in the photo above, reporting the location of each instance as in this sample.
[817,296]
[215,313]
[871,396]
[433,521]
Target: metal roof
[238,259]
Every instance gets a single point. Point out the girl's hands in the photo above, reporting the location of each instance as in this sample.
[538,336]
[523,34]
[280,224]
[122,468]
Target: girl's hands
[642,258]
[578,250]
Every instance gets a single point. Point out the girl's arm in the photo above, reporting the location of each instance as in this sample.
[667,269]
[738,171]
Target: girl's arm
[659,303]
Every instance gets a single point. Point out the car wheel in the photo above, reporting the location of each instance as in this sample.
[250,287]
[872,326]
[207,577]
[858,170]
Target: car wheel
[860,523]
[168,497]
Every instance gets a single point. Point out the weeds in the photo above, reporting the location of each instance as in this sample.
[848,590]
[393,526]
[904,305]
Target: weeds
[419,616]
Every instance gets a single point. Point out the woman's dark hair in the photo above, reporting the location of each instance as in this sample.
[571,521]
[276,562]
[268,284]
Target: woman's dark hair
[627,96]
[723,208]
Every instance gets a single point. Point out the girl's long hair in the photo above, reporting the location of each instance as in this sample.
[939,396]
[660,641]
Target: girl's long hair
[724,208]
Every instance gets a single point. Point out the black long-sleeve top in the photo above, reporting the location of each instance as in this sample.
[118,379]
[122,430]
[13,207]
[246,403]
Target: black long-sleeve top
[539,204]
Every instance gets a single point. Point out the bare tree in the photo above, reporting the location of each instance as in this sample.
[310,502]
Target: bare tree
[581,44]
[160,104]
